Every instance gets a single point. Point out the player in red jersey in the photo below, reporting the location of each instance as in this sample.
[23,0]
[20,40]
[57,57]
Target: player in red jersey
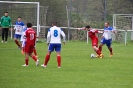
[30,39]
[94,39]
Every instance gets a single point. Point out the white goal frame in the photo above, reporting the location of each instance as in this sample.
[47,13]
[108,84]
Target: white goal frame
[38,10]
[115,25]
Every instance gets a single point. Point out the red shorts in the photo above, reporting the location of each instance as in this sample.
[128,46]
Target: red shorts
[95,42]
[29,47]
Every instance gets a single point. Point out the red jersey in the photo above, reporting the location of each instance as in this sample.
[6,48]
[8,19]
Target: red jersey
[30,35]
[92,33]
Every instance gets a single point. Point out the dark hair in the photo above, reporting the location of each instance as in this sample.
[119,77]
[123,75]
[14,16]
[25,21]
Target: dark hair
[6,12]
[107,22]
[54,23]
[87,26]
[29,25]
[19,16]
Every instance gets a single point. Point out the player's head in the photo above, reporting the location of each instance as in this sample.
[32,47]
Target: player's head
[54,23]
[19,19]
[87,27]
[6,13]
[29,25]
[106,24]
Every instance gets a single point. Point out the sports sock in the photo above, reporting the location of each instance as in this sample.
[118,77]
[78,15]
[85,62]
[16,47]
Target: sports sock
[46,59]
[34,58]
[100,48]
[16,41]
[59,60]
[110,49]
[98,52]
[26,61]
[35,53]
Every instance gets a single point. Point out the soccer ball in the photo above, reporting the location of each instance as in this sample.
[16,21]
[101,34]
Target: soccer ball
[92,55]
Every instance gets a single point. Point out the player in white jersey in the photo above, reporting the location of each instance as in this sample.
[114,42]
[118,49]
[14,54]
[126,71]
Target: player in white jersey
[54,42]
[19,26]
[107,38]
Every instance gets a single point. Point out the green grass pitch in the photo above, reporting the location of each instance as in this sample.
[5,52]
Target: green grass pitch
[78,69]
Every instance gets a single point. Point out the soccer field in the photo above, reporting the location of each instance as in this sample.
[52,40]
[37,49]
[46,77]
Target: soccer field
[78,69]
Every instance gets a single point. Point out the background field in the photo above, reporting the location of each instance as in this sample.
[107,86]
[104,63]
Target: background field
[78,69]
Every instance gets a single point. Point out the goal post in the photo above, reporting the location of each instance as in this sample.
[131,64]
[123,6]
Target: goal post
[13,8]
[123,23]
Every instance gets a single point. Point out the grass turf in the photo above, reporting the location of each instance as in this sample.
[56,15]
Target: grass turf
[78,69]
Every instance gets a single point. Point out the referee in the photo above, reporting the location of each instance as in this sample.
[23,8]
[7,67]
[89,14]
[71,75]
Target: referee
[5,23]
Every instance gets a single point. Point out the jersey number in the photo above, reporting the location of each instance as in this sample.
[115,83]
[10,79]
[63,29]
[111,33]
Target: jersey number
[55,33]
[31,36]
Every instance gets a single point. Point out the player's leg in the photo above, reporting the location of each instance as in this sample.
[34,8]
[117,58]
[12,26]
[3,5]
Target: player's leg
[6,34]
[16,36]
[31,48]
[34,51]
[58,50]
[47,57]
[23,43]
[3,33]
[26,55]
[102,43]
[26,59]
[109,42]
[96,49]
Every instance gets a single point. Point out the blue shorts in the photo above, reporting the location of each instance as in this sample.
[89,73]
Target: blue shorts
[107,42]
[17,36]
[56,47]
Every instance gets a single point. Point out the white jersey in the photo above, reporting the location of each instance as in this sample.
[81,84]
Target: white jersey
[19,26]
[54,35]
[108,33]
[23,37]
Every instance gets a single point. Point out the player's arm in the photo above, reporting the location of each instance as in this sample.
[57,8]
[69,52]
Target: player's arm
[23,25]
[15,27]
[82,28]
[10,24]
[48,37]
[24,37]
[64,36]
[114,31]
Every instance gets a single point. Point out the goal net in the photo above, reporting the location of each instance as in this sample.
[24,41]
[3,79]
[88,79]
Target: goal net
[29,11]
[123,23]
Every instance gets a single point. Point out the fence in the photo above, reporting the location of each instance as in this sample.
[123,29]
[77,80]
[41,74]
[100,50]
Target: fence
[80,13]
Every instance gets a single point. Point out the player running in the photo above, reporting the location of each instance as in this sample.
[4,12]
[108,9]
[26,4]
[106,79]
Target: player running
[107,38]
[94,39]
[30,39]
[19,26]
[54,42]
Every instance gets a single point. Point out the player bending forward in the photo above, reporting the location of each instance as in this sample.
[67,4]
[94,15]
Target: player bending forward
[92,34]
[19,26]
[30,39]
[107,38]
[54,42]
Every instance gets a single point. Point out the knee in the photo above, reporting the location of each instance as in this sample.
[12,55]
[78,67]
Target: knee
[15,39]
[95,48]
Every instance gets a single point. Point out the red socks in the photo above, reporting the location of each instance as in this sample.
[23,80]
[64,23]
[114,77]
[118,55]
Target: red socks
[98,52]
[35,53]
[46,59]
[26,61]
[100,48]
[110,49]
[16,41]
[34,58]
[59,60]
